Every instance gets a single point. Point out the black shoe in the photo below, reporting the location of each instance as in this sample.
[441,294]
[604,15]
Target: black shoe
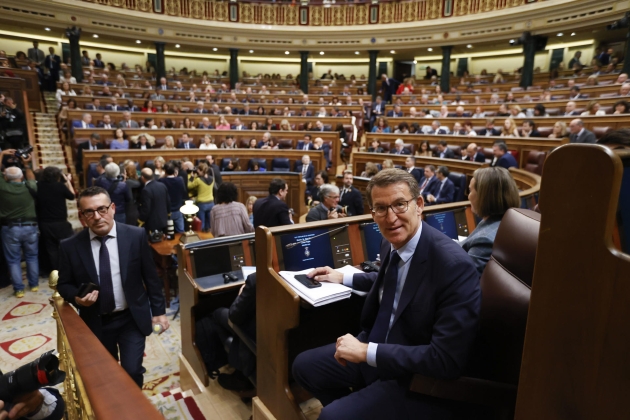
[235,382]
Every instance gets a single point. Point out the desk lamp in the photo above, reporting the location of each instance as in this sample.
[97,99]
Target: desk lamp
[189,210]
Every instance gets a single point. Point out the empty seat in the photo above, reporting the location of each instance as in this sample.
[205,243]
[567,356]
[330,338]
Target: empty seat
[285,144]
[459,180]
[535,161]
[280,165]
[457,150]
[545,131]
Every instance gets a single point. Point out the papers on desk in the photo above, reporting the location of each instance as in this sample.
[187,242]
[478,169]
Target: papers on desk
[348,269]
[317,296]
[247,270]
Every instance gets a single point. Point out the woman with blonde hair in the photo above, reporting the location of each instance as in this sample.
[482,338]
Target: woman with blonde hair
[142,141]
[207,143]
[559,130]
[593,109]
[158,164]
[169,143]
[388,164]
[201,187]
[249,204]
[509,128]
[222,124]
[284,125]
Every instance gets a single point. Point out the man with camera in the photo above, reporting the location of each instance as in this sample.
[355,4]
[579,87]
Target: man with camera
[18,220]
[12,123]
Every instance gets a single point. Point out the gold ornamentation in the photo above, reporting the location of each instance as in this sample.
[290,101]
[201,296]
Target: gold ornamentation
[196,9]
[221,11]
[172,7]
[144,5]
[247,13]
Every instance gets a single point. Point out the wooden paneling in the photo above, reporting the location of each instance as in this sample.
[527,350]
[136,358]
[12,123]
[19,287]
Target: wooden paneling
[31,86]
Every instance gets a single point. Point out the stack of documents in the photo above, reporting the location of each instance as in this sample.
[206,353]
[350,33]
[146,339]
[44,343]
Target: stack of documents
[317,296]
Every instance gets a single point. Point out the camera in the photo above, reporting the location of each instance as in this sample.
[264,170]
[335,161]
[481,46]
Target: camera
[120,178]
[24,153]
[30,377]
[156,236]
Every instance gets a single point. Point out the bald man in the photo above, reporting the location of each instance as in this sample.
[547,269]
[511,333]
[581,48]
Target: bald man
[154,206]
[473,155]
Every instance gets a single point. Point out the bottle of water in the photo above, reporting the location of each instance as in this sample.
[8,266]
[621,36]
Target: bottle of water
[170,230]
[157,328]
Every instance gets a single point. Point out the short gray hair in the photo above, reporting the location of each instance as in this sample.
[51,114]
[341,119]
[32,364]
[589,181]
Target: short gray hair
[112,170]
[326,189]
[13,173]
[399,141]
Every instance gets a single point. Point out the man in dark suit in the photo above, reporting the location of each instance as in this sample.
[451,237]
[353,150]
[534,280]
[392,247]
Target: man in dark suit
[489,130]
[473,155]
[388,87]
[378,109]
[113,105]
[430,73]
[428,182]
[155,204]
[574,94]
[306,144]
[443,150]
[85,122]
[95,105]
[529,129]
[35,54]
[350,198]
[52,63]
[306,168]
[569,109]
[117,258]
[399,148]
[107,122]
[329,207]
[410,166]
[272,210]
[395,113]
[502,157]
[444,191]
[93,144]
[420,316]
[579,134]
[186,142]
[98,62]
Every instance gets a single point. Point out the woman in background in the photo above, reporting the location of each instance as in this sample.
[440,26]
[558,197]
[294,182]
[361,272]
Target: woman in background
[229,217]
[250,208]
[120,140]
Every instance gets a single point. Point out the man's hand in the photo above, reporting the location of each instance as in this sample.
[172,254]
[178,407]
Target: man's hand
[333,214]
[8,152]
[430,198]
[24,404]
[349,349]
[162,320]
[87,300]
[326,274]
[241,289]
[28,159]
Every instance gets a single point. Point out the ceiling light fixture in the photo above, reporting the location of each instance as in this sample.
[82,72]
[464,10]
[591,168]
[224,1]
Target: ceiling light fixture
[287,52]
[560,34]
[429,49]
[415,62]
[47,29]
[469,46]
[573,34]
[512,41]
[177,45]
[95,36]
[392,52]
[215,49]
[138,41]
[251,51]
[357,52]
[321,53]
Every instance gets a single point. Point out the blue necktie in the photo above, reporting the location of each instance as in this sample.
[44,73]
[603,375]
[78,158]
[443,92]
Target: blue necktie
[106,294]
[378,334]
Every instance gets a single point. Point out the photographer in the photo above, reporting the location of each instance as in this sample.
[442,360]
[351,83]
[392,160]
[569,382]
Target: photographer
[200,185]
[12,124]
[19,222]
[117,188]
[42,404]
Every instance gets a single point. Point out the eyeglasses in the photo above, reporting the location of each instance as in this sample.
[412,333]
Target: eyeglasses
[398,208]
[102,210]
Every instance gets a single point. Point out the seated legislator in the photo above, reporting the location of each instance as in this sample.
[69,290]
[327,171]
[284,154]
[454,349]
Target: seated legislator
[420,316]
[329,207]
[444,190]
[473,155]
[492,193]
[272,210]
[349,197]
[502,156]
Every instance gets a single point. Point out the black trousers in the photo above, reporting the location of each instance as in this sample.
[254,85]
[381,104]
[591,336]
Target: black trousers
[120,334]
[52,233]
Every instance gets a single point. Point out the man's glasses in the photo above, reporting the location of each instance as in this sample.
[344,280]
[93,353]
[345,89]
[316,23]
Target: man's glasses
[398,208]
[102,210]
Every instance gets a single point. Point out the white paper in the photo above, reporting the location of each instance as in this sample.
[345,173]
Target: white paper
[350,269]
[318,296]
[247,270]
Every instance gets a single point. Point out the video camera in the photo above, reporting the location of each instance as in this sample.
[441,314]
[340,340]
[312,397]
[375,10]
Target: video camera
[30,377]
[24,152]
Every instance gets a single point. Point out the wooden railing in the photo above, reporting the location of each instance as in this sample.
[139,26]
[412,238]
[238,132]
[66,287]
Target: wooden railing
[96,387]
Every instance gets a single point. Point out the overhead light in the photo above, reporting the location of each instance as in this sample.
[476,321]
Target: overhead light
[374,1]
[177,45]
[560,34]
[415,62]
[512,41]
[321,53]
[138,41]
[469,46]
[573,34]
[251,51]
[215,49]
[357,52]
[392,52]
[287,52]
[95,36]
[47,29]
[429,49]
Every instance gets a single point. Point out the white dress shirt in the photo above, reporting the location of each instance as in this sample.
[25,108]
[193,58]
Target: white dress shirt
[114,262]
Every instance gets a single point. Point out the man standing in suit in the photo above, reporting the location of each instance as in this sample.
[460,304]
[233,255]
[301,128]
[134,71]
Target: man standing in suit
[155,204]
[329,207]
[579,134]
[389,87]
[410,165]
[117,258]
[93,144]
[98,62]
[420,316]
[443,151]
[489,130]
[444,192]
[378,108]
[305,167]
[502,157]
[575,60]
[52,63]
[272,210]
[35,54]
[473,155]
[350,197]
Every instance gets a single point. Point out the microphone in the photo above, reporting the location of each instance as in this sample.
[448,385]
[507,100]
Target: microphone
[294,244]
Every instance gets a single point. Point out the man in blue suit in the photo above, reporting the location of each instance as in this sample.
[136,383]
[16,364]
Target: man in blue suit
[85,122]
[473,155]
[420,316]
[388,87]
[305,167]
[444,190]
[117,258]
[428,181]
[396,112]
[502,157]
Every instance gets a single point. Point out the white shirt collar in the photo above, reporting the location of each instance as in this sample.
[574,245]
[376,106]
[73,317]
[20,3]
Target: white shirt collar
[406,251]
[111,233]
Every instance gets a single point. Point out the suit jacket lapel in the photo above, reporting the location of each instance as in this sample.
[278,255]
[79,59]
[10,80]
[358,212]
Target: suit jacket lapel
[415,275]
[85,252]
[123,251]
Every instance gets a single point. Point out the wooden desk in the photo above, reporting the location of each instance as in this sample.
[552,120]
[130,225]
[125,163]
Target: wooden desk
[162,252]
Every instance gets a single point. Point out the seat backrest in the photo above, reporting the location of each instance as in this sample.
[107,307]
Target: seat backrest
[601,131]
[457,150]
[459,180]
[506,287]
[285,144]
[535,161]
[244,143]
[280,165]
[225,162]
[386,145]
[262,163]
[545,131]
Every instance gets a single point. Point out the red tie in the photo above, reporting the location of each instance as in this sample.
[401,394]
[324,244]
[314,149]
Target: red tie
[424,184]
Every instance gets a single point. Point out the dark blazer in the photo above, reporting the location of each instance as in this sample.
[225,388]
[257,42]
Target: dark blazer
[586,137]
[417,174]
[353,200]
[478,158]
[154,206]
[437,316]
[506,161]
[310,172]
[448,154]
[404,151]
[94,108]
[139,146]
[80,148]
[446,195]
[392,113]
[118,108]
[379,149]
[572,113]
[191,145]
[271,211]
[319,212]
[306,146]
[56,65]
[140,282]
[493,132]
[535,133]
[430,186]
[199,111]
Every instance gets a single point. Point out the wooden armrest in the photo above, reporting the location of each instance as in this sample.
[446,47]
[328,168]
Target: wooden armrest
[465,389]
[244,338]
